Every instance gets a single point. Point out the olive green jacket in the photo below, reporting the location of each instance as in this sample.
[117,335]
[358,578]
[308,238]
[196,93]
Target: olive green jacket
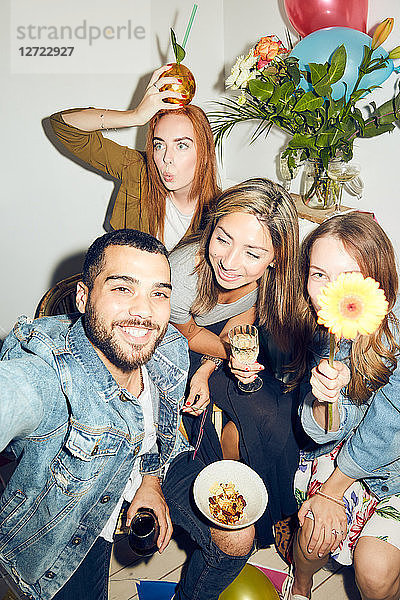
[122,163]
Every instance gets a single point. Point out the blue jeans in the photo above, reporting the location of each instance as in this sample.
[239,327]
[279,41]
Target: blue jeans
[210,570]
[90,580]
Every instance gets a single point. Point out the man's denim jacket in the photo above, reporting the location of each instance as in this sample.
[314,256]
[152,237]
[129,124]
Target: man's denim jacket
[76,434]
[371,450]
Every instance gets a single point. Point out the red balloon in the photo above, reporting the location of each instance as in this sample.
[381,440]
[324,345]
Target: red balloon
[307,16]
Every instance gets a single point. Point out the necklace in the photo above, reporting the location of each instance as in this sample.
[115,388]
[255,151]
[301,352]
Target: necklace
[141,382]
[123,398]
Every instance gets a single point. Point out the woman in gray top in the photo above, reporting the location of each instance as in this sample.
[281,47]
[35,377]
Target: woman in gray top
[241,269]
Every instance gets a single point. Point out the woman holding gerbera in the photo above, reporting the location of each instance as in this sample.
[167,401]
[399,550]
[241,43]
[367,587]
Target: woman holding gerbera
[349,484]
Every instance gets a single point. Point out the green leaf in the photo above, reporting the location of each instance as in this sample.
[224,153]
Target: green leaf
[388,512]
[323,88]
[366,57]
[323,85]
[299,140]
[389,112]
[359,119]
[294,73]
[347,152]
[262,90]
[328,138]
[276,96]
[317,72]
[312,120]
[338,65]
[326,154]
[371,130]
[178,50]
[287,90]
[308,101]
[335,107]
[373,68]
[355,96]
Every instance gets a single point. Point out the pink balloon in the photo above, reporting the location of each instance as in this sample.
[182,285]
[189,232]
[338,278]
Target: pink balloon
[307,16]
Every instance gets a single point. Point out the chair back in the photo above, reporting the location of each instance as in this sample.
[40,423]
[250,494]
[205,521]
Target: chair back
[60,299]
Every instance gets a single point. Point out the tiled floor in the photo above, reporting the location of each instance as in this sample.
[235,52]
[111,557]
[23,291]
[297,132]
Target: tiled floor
[332,583]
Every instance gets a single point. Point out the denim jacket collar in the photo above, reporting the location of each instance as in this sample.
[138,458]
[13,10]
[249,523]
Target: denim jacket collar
[83,351]
[166,370]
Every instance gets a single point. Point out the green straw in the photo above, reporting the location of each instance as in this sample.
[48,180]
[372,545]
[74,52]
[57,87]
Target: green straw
[189,25]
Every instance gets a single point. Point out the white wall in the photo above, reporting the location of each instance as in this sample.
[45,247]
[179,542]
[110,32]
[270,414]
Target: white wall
[52,208]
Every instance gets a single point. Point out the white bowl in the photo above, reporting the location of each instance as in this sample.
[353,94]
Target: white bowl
[246,481]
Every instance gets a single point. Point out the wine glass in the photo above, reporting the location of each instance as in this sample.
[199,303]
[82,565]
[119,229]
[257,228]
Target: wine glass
[287,174]
[244,346]
[143,532]
[341,172]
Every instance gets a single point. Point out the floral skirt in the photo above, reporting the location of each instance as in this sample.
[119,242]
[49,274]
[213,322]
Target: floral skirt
[366,515]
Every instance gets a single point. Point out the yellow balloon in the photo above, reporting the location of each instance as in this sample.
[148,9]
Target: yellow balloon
[250,584]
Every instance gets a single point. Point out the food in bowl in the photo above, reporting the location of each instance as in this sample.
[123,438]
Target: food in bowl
[226,504]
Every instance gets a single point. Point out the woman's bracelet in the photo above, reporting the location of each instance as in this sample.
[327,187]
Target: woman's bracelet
[335,500]
[217,361]
[102,119]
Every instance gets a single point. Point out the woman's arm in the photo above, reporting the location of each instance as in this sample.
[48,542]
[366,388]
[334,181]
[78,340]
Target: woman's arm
[203,341]
[79,130]
[375,444]
[93,119]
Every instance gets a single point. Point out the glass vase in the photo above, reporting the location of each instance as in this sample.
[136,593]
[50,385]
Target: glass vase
[317,189]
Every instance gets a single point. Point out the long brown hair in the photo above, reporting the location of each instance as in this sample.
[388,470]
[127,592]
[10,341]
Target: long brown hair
[278,286]
[205,185]
[373,357]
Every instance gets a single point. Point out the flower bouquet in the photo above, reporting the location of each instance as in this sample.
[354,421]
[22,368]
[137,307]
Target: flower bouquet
[321,128]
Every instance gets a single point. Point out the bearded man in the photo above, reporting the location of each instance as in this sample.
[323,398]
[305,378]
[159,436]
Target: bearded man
[90,406]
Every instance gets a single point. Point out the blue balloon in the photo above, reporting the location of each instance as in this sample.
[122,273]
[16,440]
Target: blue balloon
[319,46]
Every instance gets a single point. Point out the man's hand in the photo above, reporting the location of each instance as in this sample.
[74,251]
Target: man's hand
[149,495]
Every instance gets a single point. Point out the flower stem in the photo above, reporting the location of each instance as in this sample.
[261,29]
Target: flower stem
[332,348]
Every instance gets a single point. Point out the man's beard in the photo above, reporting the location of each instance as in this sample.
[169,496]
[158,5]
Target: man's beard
[106,341]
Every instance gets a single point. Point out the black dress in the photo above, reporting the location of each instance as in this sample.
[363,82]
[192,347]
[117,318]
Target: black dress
[269,435]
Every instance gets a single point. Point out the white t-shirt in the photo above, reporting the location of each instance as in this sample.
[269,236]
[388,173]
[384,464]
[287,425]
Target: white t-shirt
[176,224]
[135,478]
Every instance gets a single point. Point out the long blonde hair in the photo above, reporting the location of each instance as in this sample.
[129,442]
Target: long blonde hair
[278,286]
[373,357]
[205,185]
